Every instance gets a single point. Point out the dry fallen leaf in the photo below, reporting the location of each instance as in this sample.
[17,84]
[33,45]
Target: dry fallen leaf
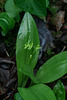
[2,90]
[59,19]
[65,1]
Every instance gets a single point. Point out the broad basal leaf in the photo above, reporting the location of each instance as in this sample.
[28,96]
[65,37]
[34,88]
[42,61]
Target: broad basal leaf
[18,97]
[11,8]
[27,47]
[36,7]
[37,92]
[7,23]
[53,69]
[59,90]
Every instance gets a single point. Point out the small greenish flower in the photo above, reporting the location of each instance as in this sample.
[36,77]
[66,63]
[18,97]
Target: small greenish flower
[30,56]
[28,46]
[37,47]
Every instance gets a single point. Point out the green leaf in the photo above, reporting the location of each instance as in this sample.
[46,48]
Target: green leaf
[59,90]
[47,3]
[7,23]
[36,7]
[17,96]
[53,69]
[37,92]
[11,8]
[27,47]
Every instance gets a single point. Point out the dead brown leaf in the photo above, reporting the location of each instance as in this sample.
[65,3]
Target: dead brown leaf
[59,19]
[65,1]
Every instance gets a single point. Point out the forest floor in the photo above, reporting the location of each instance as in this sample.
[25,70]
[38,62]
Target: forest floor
[54,39]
